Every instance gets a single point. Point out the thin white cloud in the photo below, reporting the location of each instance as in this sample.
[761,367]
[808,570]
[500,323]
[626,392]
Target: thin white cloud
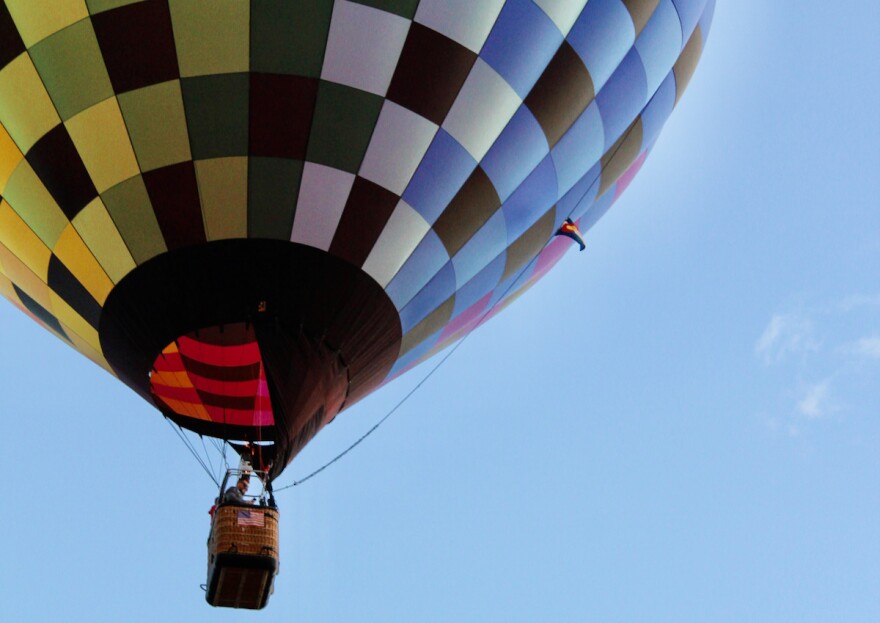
[785,334]
[815,402]
[868,347]
[859,300]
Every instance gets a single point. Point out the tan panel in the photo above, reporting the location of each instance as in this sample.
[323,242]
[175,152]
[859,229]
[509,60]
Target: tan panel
[16,236]
[435,321]
[527,246]
[69,318]
[37,19]
[10,156]
[78,259]
[687,62]
[211,38]
[223,188]
[25,107]
[623,153]
[24,278]
[33,203]
[640,11]
[157,124]
[96,227]
[101,139]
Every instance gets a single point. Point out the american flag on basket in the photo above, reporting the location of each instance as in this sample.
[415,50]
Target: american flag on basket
[250,518]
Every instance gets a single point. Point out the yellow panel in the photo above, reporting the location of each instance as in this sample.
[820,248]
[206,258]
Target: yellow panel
[223,188]
[25,107]
[37,19]
[33,203]
[23,242]
[75,255]
[24,278]
[211,38]
[68,317]
[103,239]
[86,349]
[10,156]
[7,291]
[101,139]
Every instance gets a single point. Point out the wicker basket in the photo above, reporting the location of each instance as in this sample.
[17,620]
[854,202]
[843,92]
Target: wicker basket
[242,556]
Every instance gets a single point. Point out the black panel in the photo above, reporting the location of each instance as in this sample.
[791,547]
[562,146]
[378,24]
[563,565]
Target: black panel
[73,292]
[40,312]
[11,44]
[56,162]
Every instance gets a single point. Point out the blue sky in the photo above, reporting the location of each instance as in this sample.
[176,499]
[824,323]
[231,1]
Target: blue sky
[679,424]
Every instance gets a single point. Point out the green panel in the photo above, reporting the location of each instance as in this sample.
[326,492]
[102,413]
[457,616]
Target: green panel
[156,124]
[72,68]
[98,6]
[217,115]
[404,8]
[211,37]
[289,37]
[272,193]
[342,126]
[33,203]
[223,188]
[129,205]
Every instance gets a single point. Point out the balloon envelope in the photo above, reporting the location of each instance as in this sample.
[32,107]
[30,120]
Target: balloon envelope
[255,213]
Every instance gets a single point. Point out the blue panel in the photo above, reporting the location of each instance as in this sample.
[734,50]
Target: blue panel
[521,44]
[689,12]
[517,151]
[602,36]
[578,199]
[479,286]
[623,97]
[489,242]
[592,212]
[429,298]
[659,44]
[658,110]
[531,200]
[580,148]
[428,258]
[440,175]
[706,18]
[415,354]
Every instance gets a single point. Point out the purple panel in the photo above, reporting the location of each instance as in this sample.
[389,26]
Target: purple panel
[602,36]
[428,258]
[658,109]
[479,286]
[580,148]
[441,173]
[521,44]
[593,212]
[706,18]
[532,199]
[487,244]
[689,12]
[622,98]
[429,298]
[517,151]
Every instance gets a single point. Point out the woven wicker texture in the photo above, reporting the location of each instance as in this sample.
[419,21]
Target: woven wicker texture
[228,535]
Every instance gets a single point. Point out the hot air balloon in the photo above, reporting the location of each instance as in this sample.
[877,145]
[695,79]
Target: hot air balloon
[256,213]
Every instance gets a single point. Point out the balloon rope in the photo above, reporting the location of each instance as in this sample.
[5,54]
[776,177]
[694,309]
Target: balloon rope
[192,450]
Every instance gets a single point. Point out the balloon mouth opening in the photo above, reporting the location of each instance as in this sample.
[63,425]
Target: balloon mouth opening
[214,375]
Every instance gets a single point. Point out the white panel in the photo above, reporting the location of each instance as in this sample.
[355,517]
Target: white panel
[482,109]
[399,142]
[564,13]
[402,234]
[466,21]
[322,196]
[363,46]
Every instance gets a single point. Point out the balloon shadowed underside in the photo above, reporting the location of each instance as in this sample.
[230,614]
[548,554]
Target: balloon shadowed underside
[254,213]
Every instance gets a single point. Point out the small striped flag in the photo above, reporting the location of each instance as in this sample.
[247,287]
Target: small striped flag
[250,518]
